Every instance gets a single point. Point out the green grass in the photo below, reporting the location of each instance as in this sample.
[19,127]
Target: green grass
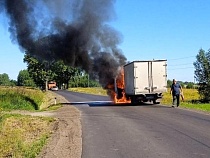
[19,98]
[199,107]
[94,90]
[23,136]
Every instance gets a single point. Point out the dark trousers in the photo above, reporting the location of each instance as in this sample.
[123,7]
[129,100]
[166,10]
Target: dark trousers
[176,99]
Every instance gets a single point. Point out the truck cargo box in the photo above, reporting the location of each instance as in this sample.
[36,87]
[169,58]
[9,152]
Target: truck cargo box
[146,78]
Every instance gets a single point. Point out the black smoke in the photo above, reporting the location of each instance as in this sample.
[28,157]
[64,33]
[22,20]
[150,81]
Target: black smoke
[75,31]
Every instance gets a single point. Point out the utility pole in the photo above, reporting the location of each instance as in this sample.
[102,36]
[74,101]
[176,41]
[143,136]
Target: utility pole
[88,80]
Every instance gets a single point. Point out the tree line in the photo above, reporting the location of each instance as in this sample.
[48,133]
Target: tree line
[187,85]
[39,73]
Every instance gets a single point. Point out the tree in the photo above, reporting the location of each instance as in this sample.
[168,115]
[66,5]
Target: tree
[24,79]
[169,83]
[4,79]
[39,71]
[81,79]
[202,73]
[190,85]
[181,83]
[13,82]
[63,73]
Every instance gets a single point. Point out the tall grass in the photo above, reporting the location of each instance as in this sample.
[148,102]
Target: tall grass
[23,136]
[20,98]
[189,96]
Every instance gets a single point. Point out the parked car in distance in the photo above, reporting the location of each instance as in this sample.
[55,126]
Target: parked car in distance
[54,88]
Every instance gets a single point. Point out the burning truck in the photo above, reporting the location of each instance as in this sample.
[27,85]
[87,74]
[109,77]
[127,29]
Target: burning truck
[77,32]
[140,81]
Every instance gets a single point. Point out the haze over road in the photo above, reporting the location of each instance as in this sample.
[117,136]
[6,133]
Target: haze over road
[117,131]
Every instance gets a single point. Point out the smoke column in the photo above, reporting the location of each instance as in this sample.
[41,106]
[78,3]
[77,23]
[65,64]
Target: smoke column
[75,31]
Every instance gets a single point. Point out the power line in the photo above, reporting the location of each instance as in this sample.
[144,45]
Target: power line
[181,68]
[182,58]
[180,64]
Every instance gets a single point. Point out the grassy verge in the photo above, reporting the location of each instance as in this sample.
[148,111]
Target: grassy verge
[19,98]
[49,102]
[23,136]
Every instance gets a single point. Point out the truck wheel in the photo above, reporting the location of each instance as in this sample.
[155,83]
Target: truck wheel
[155,102]
[133,100]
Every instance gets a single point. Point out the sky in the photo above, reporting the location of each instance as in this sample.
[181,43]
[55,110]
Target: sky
[154,29]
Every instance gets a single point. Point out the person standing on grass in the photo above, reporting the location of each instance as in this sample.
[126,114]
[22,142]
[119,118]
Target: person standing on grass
[176,91]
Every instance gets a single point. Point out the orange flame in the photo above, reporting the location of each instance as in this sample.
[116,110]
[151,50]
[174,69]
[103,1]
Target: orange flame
[120,96]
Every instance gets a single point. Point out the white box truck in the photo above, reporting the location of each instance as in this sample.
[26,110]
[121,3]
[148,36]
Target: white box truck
[145,80]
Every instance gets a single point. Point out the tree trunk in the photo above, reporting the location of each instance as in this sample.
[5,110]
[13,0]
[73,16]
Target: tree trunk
[46,85]
[67,84]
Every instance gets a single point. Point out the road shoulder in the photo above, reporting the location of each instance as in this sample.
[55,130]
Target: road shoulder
[66,141]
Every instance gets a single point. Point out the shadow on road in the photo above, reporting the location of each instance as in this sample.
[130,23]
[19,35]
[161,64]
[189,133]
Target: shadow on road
[109,104]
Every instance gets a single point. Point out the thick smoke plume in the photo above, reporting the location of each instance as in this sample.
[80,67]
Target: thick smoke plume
[75,31]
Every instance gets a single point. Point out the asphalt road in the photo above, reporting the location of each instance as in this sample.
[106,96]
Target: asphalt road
[143,131]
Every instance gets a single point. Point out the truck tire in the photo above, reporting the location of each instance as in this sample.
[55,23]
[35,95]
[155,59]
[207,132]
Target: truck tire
[155,102]
[133,100]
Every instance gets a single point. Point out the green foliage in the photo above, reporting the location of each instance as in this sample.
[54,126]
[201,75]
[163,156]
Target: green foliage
[83,80]
[182,84]
[4,80]
[13,83]
[169,83]
[24,79]
[39,70]
[63,73]
[93,83]
[58,71]
[202,73]
[20,98]
[190,85]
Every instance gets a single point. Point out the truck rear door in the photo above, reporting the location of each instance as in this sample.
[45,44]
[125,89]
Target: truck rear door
[141,77]
[159,76]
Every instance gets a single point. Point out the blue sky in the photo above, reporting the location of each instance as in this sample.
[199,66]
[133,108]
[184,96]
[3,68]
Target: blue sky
[156,29]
